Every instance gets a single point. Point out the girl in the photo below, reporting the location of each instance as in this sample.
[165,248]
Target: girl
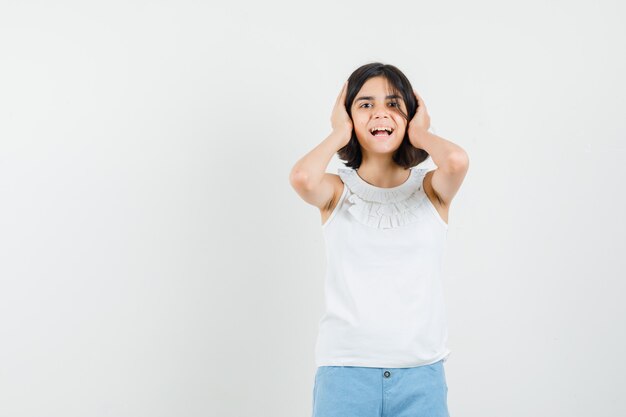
[382,341]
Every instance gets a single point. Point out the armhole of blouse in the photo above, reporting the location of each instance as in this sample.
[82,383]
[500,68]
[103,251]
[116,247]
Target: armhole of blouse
[338,206]
[430,204]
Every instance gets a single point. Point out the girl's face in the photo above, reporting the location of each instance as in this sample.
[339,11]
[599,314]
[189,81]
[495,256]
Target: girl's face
[373,108]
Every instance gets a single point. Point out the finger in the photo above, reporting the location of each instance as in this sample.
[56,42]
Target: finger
[341,93]
[342,96]
[420,102]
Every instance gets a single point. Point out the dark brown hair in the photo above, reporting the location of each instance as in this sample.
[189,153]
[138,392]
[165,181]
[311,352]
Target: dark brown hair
[406,155]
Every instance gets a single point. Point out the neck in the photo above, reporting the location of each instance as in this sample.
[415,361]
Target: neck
[382,172]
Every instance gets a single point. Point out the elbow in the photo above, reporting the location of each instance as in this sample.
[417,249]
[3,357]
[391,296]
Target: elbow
[298,179]
[457,161]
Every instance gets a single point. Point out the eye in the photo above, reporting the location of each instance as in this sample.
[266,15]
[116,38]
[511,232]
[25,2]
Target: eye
[364,104]
[394,103]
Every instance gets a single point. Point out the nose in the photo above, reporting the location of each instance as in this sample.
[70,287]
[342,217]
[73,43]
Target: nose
[381,112]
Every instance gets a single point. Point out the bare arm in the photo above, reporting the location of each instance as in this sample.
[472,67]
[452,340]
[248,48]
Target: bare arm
[452,161]
[452,165]
[308,176]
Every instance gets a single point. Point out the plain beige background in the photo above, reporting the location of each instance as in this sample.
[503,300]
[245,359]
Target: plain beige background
[156,262]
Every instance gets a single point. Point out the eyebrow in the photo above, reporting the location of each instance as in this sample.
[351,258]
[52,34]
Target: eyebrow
[372,98]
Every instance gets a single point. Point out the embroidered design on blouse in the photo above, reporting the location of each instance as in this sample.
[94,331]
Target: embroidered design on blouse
[384,208]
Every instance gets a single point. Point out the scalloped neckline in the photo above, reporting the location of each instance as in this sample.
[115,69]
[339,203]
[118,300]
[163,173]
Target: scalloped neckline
[406,183]
[372,193]
[381,207]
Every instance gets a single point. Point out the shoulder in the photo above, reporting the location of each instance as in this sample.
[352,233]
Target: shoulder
[444,183]
[338,188]
[437,202]
[429,190]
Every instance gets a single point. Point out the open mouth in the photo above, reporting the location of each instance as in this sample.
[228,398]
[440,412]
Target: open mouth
[381,131]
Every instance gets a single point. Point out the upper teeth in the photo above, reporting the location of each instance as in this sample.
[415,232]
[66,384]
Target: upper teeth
[388,129]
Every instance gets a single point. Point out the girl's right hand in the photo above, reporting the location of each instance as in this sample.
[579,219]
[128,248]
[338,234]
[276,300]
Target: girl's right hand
[340,119]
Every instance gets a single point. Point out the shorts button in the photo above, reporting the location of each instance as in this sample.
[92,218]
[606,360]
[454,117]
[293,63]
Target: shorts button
[387,374]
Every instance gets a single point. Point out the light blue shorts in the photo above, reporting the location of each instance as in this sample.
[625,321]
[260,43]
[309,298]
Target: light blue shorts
[354,391]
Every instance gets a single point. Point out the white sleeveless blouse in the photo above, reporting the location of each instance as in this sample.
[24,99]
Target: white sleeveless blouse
[383,290]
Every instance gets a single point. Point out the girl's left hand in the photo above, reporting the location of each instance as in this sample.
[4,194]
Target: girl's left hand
[421,120]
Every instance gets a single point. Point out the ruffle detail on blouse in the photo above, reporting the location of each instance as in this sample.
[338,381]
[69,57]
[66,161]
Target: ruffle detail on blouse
[384,208]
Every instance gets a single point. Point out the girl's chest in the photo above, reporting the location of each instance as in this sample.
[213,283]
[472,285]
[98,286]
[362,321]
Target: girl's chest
[349,239]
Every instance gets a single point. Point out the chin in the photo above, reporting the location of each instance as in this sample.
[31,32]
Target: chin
[382,147]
